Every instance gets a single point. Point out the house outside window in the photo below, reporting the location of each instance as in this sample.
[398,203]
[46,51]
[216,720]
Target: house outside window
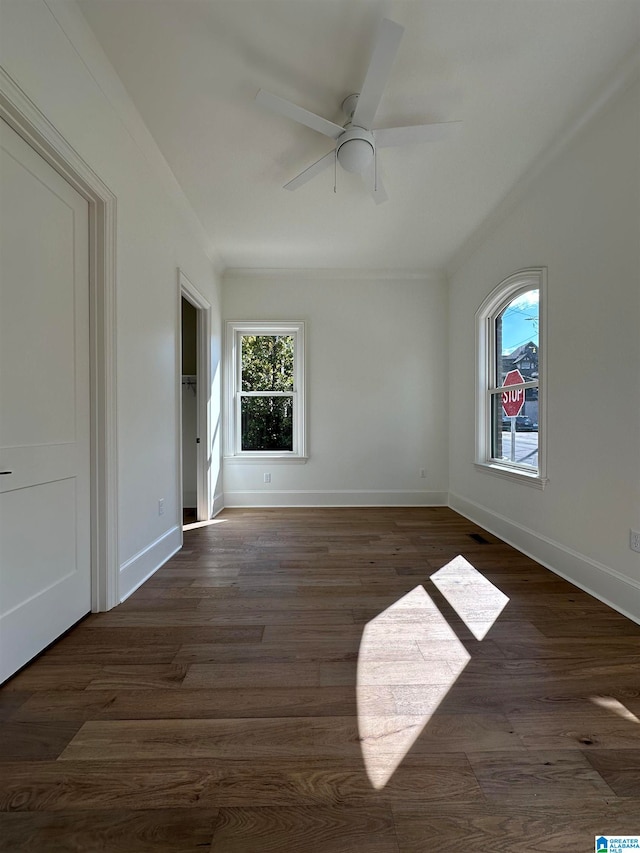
[265,391]
[510,329]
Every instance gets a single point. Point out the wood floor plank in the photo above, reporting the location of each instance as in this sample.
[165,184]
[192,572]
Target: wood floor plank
[158,605]
[248,739]
[50,675]
[275,596]
[609,649]
[139,677]
[371,671]
[509,828]
[300,601]
[112,654]
[314,736]
[194,784]
[52,786]
[118,831]
[620,769]
[538,776]
[11,701]
[260,674]
[608,624]
[216,703]
[138,636]
[580,728]
[35,740]
[43,676]
[331,829]
[312,650]
[221,619]
[305,633]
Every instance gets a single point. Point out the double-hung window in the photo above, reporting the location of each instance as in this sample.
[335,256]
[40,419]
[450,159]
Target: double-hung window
[510,386]
[265,384]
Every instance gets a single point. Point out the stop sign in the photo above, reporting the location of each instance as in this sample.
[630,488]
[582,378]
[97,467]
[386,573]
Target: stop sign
[513,401]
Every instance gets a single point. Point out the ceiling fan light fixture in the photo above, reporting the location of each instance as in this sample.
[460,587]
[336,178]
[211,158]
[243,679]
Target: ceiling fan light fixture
[355,149]
[355,155]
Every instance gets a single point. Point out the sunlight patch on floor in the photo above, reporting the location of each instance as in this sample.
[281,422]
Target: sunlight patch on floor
[196,524]
[475,599]
[411,644]
[389,656]
[614,705]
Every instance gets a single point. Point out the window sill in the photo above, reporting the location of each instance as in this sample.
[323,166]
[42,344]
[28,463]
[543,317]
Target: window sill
[267,457]
[505,473]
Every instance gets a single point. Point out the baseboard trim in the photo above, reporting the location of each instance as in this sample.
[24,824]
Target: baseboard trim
[135,571]
[604,583]
[261,498]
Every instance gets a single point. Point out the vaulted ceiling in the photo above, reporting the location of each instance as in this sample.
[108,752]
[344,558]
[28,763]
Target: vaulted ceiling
[516,73]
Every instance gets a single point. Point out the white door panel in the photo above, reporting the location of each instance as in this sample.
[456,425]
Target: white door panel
[47,508]
[45,574]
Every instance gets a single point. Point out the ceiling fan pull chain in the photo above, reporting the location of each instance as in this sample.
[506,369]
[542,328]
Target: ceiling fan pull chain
[375,169]
[335,171]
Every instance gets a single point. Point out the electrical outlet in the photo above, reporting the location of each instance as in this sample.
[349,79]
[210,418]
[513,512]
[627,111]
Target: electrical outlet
[634,541]
[267,478]
[423,473]
[161,506]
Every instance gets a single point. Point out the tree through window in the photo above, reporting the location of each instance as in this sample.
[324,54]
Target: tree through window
[267,392]
[265,389]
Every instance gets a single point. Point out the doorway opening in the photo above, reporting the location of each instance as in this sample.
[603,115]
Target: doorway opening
[189,399]
[193,365]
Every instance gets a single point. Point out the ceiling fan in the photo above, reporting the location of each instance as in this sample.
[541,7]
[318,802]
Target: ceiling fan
[356,143]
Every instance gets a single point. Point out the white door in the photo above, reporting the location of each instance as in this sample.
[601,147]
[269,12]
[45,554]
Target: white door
[45,544]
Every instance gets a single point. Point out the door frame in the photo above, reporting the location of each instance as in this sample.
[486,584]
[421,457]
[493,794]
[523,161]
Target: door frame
[187,290]
[22,114]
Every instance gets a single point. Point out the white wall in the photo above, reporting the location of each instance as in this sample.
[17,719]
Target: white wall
[581,219]
[376,350]
[49,51]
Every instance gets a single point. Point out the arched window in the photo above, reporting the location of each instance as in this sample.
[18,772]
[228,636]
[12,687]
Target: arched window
[510,439]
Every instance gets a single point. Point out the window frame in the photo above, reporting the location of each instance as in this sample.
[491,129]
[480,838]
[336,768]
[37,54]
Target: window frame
[235,330]
[532,278]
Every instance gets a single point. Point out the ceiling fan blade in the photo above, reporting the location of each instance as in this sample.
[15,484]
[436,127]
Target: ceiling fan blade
[375,184]
[311,171]
[378,72]
[293,111]
[388,136]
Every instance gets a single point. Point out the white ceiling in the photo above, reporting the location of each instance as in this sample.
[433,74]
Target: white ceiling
[516,72]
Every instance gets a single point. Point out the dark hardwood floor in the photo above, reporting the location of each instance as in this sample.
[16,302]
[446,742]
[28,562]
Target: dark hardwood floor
[330,681]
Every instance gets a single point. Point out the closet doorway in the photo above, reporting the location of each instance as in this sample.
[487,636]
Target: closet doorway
[190,437]
[194,395]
